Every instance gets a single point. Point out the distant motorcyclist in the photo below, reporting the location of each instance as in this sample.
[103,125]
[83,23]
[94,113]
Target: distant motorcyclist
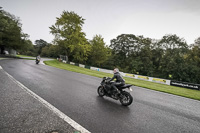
[38,59]
[119,80]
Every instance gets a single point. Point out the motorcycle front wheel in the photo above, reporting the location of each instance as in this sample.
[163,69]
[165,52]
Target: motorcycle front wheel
[126,98]
[101,91]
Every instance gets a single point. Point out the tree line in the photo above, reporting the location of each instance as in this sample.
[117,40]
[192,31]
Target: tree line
[169,57]
[11,34]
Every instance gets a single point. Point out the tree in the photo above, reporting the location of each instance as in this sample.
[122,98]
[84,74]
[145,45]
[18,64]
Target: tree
[197,42]
[11,35]
[173,58]
[145,56]
[157,55]
[132,53]
[192,64]
[54,51]
[99,52]
[28,48]
[45,51]
[122,47]
[40,44]
[51,51]
[69,36]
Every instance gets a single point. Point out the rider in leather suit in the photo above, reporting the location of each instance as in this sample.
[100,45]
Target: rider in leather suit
[119,80]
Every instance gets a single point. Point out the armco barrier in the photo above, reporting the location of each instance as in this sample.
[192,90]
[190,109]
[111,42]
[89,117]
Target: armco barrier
[88,67]
[94,68]
[141,77]
[105,70]
[162,81]
[80,65]
[146,78]
[130,75]
[76,64]
[72,63]
[102,70]
[64,61]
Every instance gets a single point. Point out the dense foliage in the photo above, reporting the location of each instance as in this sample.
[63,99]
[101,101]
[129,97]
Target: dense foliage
[69,36]
[99,52]
[11,35]
[170,57]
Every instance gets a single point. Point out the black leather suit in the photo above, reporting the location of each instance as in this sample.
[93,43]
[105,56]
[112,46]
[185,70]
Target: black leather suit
[119,81]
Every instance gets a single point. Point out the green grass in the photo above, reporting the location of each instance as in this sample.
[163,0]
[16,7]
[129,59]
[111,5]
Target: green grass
[24,56]
[77,69]
[189,93]
[28,59]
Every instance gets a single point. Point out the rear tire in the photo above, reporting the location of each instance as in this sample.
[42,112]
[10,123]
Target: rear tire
[126,98]
[101,91]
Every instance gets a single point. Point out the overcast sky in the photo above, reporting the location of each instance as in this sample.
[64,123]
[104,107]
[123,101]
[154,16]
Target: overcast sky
[110,18]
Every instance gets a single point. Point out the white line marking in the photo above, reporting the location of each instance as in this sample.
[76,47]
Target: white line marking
[49,106]
[1,67]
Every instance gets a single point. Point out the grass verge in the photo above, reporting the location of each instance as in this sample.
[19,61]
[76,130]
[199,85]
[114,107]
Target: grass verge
[24,56]
[28,59]
[189,93]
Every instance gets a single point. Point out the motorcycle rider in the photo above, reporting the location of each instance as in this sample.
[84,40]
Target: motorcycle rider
[119,80]
[38,58]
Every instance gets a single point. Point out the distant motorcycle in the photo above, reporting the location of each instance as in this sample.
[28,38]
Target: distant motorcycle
[37,61]
[124,97]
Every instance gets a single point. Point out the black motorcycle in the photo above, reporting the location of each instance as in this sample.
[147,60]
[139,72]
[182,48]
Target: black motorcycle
[37,61]
[105,89]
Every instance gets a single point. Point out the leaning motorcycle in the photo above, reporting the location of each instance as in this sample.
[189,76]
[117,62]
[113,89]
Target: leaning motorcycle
[124,97]
[37,61]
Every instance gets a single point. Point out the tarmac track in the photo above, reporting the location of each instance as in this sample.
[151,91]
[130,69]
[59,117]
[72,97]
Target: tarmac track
[76,96]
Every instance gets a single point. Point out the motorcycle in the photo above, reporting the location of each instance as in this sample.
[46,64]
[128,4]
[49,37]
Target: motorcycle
[37,61]
[105,89]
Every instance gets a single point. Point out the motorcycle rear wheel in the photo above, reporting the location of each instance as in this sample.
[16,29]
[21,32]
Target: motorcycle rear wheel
[126,98]
[101,91]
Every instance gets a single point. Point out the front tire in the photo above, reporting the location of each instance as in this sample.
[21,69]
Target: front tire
[126,98]
[101,91]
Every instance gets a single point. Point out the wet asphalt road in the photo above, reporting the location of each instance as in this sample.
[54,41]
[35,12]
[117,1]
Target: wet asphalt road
[76,95]
[20,112]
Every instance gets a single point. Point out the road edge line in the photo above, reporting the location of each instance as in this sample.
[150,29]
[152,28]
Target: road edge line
[49,106]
